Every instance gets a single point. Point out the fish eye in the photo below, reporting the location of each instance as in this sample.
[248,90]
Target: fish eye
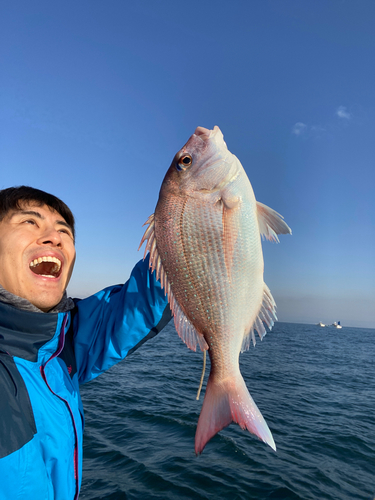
[184,162]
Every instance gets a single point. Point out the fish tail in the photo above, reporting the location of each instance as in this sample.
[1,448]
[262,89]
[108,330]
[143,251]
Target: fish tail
[227,402]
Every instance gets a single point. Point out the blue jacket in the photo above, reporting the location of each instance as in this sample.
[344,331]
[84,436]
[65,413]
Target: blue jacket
[43,360]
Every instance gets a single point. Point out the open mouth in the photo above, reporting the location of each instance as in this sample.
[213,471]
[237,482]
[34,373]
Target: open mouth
[48,267]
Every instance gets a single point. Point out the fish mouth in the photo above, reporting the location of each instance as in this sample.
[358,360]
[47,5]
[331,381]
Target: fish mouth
[205,133]
[214,140]
[46,266]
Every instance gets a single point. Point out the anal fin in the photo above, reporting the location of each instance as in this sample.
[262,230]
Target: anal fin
[266,314]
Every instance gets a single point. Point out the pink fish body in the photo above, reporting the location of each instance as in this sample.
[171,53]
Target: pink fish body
[205,245]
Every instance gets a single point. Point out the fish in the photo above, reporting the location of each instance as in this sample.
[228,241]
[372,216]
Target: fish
[204,241]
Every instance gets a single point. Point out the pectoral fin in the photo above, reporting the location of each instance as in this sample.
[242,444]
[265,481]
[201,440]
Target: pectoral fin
[230,229]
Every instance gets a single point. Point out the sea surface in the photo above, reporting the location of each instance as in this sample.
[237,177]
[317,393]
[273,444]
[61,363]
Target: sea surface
[314,386]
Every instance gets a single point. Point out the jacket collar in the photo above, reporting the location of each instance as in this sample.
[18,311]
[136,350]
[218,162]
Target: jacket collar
[65,304]
[29,335]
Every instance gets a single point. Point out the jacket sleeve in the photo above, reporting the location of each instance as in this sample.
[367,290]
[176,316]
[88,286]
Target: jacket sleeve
[115,321]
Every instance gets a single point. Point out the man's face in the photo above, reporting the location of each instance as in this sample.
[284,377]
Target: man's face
[37,255]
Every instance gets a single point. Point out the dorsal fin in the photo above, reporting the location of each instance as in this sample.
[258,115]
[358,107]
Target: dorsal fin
[186,330]
[184,327]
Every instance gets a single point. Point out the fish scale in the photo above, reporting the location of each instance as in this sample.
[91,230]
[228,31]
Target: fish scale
[205,245]
[207,273]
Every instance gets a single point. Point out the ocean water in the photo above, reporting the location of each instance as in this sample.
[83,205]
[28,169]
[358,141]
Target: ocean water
[314,386]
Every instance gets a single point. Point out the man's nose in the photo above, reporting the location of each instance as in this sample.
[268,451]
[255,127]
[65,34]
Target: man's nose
[50,236]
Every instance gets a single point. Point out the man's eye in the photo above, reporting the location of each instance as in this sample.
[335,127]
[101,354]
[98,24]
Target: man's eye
[29,221]
[66,231]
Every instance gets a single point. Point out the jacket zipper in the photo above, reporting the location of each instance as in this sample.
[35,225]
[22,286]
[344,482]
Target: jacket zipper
[42,371]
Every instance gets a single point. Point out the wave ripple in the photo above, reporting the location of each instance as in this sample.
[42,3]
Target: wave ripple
[314,386]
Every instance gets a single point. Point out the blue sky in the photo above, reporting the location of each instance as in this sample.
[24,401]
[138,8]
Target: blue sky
[97,96]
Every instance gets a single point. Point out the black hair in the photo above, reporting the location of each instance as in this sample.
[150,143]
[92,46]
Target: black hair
[12,199]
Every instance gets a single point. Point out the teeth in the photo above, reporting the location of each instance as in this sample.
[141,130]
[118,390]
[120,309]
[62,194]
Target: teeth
[36,262]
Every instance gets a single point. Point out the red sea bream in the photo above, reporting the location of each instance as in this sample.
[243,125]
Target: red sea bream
[204,241]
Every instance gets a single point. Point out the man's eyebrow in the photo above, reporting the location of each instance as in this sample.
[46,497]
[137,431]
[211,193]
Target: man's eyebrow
[27,212]
[40,216]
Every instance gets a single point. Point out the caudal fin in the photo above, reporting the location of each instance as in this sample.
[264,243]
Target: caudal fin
[227,402]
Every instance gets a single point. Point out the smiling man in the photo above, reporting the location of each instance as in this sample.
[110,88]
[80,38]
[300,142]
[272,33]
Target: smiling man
[37,253]
[50,344]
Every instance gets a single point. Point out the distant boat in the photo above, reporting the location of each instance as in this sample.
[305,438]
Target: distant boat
[320,324]
[337,324]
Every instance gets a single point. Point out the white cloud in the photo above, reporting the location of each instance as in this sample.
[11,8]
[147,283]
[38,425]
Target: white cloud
[321,130]
[298,128]
[341,112]
[318,128]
